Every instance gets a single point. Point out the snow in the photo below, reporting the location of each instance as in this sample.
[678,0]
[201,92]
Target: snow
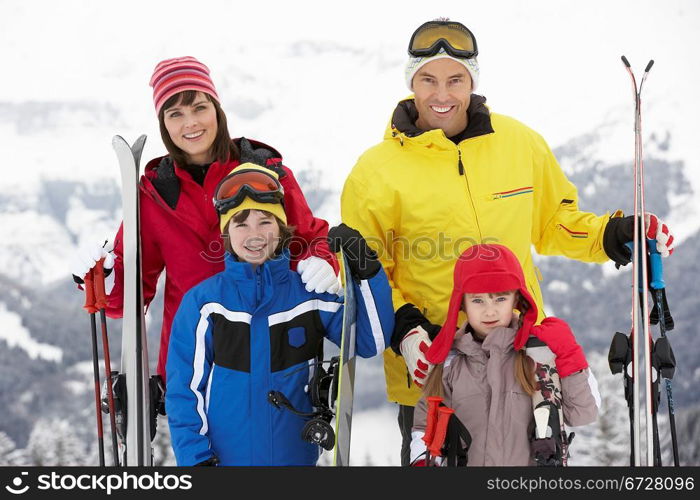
[16,336]
[33,244]
[555,286]
[89,226]
[376,437]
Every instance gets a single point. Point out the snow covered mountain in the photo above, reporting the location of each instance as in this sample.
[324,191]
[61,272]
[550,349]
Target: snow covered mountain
[321,95]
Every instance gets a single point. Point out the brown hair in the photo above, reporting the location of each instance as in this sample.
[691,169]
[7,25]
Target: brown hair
[524,368]
[223,148]
[286,232]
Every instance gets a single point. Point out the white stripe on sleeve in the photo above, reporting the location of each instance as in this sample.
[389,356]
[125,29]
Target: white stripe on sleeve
[208,397]
[200,353]
[593,384]
[373,315]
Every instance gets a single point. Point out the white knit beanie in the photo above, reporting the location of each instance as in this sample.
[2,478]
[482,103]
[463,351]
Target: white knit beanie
[416,63]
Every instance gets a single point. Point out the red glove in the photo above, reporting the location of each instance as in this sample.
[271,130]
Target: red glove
[657,230]
[558,336]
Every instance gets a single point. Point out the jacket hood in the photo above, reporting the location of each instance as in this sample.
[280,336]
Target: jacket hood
[483,269]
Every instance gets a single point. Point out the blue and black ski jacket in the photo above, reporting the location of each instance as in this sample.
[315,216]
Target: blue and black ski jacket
[242,333]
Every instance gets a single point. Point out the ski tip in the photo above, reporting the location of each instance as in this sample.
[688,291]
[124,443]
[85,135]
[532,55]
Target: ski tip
[117,139]
[651,63]
[141,141]
[625,61]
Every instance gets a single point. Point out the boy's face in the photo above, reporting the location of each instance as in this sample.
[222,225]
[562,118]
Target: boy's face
[255,239]
[486,311]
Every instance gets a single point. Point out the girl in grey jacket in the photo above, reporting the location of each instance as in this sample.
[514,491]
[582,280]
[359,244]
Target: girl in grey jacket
[481,369]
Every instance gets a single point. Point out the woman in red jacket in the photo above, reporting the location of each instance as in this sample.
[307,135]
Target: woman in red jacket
[179,226]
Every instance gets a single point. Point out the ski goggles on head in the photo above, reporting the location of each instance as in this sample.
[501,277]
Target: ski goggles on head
[258,185]
[453,37]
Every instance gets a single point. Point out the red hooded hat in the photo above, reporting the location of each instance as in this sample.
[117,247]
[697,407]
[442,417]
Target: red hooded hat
[483,269]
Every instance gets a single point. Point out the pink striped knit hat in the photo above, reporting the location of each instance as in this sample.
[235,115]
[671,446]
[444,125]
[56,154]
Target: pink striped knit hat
[181,73]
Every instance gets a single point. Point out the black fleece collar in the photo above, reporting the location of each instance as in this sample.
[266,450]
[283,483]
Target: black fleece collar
[479,123]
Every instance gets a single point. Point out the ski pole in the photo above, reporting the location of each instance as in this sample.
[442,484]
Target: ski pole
[101,304]
[91,309]
[662,348]
[431,420]
[444,414]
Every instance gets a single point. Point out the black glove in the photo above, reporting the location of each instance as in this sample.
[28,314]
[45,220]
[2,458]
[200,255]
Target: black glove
[618,232]
[361,258]
[210,462]
[407,317]
[259,156]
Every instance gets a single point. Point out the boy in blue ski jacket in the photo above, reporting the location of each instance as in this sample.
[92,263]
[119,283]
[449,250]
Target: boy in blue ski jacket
[254,328]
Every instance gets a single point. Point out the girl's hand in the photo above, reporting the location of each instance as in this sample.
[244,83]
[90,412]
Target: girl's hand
[560,339]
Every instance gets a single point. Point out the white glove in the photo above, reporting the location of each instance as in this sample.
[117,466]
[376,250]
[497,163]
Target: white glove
[659,231]
[413,348]
[87,256]
[318,275]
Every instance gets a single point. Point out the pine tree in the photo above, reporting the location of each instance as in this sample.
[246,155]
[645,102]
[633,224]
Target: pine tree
[162,448]
[54,443]
[687,431]
[606,441]
[9,454]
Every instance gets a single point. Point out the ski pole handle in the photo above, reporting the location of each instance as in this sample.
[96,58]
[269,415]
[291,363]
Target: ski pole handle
[99,284]
[431,419]
[657,268]
[656,280]
[444,414]
[89,281]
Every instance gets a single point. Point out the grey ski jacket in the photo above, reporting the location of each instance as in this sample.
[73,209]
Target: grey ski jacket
[480,385]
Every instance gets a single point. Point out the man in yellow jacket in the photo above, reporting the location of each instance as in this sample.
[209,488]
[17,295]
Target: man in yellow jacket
[450,174]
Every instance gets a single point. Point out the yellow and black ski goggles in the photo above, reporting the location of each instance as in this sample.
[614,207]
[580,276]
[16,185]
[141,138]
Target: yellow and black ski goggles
[452,36]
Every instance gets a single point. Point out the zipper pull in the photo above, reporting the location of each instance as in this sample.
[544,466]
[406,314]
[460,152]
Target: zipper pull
[258,284]
[460,165]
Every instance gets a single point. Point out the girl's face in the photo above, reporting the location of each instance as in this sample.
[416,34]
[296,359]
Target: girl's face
[486,311]
[255,239]
[193,128]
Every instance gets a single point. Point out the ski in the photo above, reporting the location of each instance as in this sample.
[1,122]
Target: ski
[624,356]
[550,443]
[346,373]
[136,446]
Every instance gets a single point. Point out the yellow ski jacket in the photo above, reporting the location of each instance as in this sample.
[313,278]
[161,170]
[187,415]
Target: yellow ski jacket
[420,200]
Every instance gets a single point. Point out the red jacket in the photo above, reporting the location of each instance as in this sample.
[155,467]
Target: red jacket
[187,241]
